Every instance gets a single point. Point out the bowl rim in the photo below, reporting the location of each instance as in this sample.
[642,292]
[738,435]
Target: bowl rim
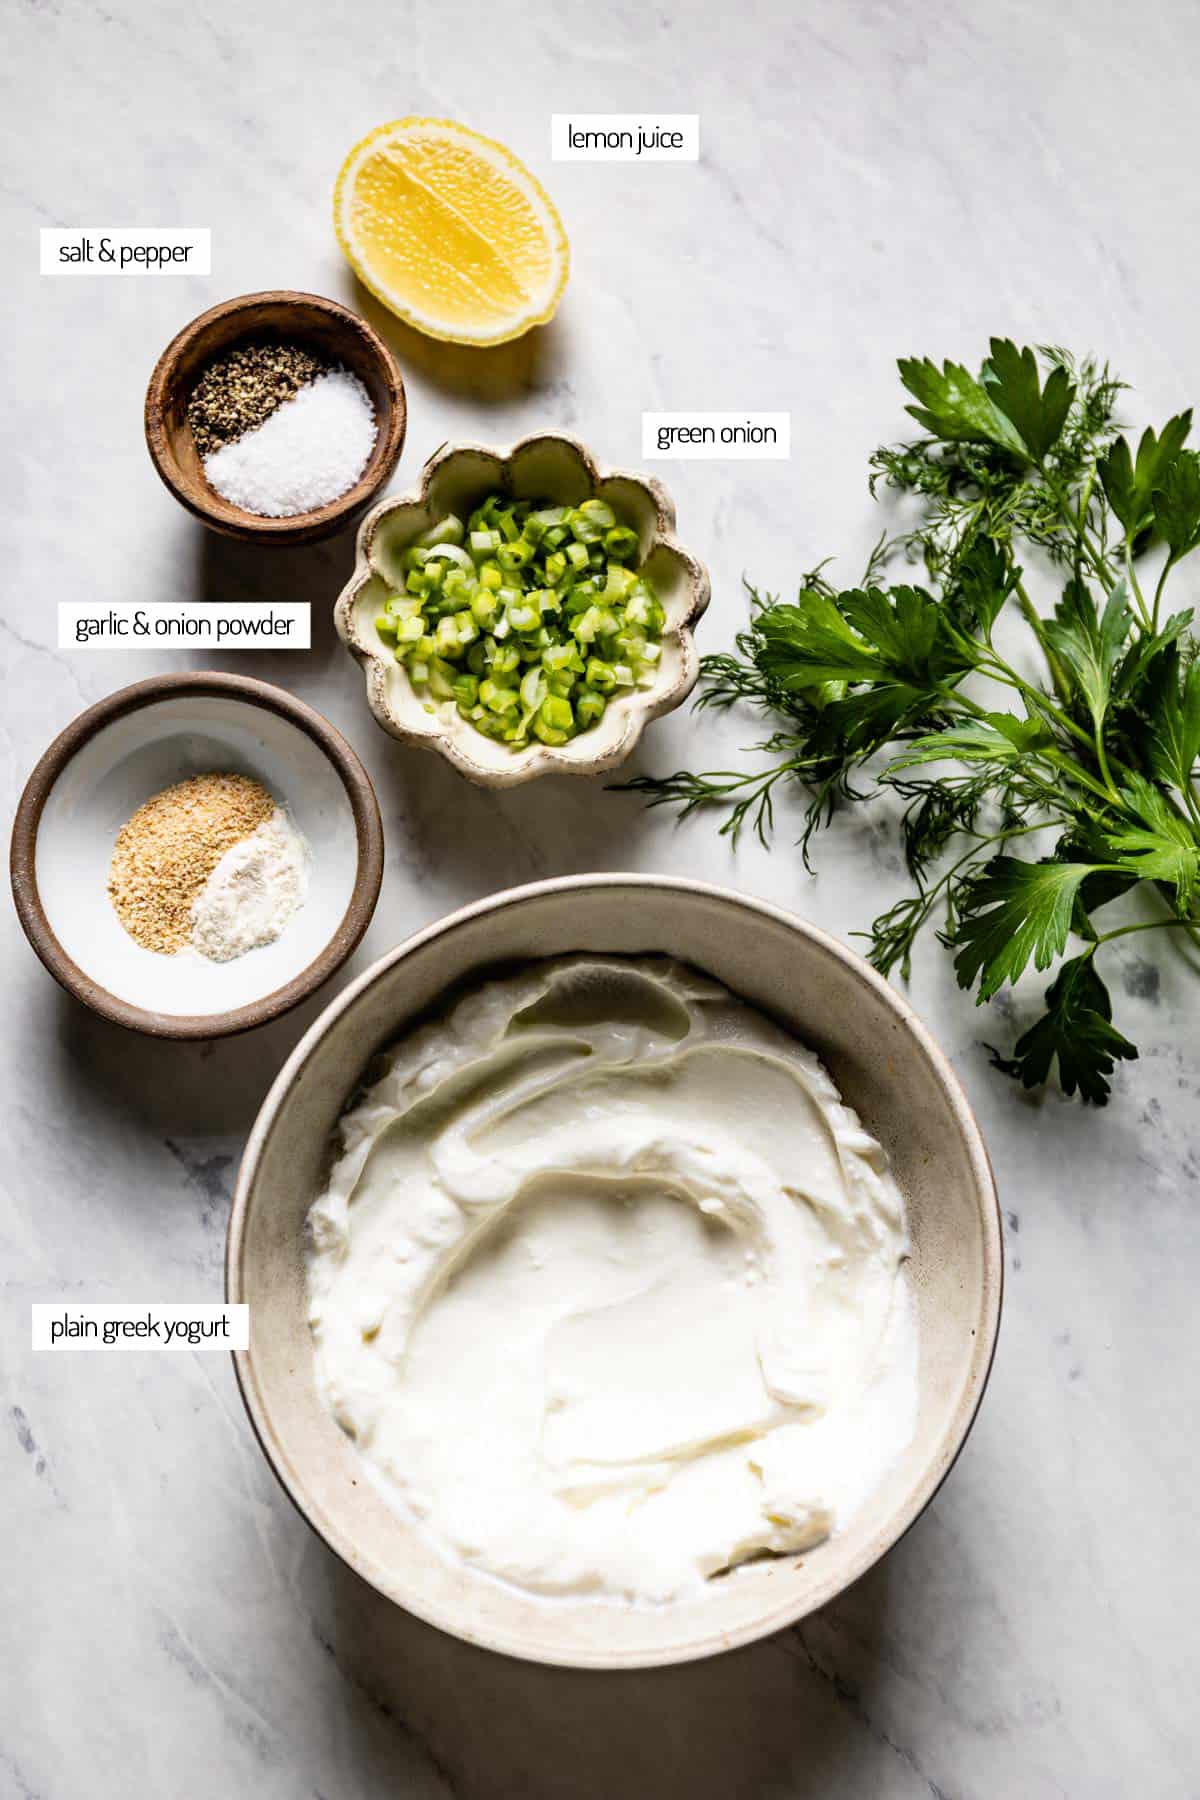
[234,521]
[453,739]
[992,1285]
[244,689]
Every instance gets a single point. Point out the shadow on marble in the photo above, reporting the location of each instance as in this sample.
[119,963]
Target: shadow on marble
[211,1087]
[225,569]
[477,840]
[492,376]
[793,1713]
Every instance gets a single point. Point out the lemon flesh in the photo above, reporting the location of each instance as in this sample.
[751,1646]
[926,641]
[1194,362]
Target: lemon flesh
[450,231]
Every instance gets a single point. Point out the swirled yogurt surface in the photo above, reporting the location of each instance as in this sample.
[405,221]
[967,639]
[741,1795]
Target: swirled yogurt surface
[608,1286]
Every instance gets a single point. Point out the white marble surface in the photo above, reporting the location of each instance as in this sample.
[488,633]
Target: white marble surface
[877,178]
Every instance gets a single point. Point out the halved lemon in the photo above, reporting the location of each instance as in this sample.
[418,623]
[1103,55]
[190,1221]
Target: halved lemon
[450,231]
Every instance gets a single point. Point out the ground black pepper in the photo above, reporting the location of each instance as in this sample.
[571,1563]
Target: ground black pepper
[236,392]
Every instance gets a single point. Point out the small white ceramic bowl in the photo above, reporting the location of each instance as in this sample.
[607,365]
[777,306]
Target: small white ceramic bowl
[549,467]
[127,748]
[887,1067]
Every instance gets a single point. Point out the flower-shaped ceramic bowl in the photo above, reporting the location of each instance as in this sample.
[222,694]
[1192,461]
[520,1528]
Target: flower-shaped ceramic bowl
[558,470]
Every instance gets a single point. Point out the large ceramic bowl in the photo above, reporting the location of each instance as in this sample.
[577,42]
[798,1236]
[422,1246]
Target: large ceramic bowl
[886,1065]
[548,467]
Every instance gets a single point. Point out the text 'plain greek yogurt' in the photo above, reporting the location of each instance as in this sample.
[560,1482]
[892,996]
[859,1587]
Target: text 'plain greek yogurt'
[609,1287]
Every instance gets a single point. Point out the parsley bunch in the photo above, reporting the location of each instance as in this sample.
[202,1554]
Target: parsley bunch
[1090,766]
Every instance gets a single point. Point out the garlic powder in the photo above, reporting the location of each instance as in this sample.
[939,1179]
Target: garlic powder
[253,892]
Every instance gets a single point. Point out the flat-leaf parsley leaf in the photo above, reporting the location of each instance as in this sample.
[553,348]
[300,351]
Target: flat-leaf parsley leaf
[1090,767]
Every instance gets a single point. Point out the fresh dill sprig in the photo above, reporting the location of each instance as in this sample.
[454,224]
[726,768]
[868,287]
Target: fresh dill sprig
[865,686]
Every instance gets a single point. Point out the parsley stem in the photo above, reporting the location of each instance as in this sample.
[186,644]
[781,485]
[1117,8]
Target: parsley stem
[979,842]
[1002,671]
[1072,770]
[1102,759]
[1162,582]
[1136,590]
[1034,620]
[995,666]
[1188,925]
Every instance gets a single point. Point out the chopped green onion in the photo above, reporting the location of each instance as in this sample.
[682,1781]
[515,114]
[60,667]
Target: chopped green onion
[619,582]
[556,713]
[447,531]
[497,699]
[514,556]
[526,619]
[485,605]
[589,708]
[558,657]
[621,542]
[599,512]
[523,617]
[450,553]
[441,679]
[533,689]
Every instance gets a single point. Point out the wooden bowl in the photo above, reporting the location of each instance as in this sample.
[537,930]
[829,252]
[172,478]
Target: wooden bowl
[128,747]
[332,332]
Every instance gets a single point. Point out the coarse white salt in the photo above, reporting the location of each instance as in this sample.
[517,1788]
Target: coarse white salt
[310,451]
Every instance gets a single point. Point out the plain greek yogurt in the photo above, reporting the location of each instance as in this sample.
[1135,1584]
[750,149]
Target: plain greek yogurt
[609,1287]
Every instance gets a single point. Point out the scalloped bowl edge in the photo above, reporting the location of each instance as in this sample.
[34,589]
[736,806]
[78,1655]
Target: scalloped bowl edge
[455,738]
